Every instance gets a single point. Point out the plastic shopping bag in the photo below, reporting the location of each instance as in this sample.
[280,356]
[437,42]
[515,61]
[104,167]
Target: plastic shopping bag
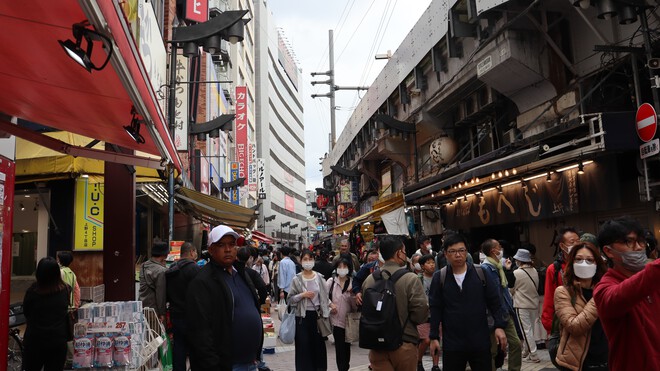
[281,308]
[165,351]
[288,326]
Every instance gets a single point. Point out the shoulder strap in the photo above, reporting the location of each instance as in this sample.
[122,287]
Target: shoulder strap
[332,286]
[480,273]
[530,277]
[398,274]
[443,276]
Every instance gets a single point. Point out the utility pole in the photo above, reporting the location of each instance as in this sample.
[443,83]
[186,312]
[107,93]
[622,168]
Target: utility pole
[331,83]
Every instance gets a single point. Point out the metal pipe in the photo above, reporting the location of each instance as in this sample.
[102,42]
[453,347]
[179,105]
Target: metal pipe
[331,53]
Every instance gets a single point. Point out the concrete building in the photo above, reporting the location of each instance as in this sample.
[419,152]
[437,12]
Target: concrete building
[280,129]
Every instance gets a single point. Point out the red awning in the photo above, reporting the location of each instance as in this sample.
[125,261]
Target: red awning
[41,84]
[261,237]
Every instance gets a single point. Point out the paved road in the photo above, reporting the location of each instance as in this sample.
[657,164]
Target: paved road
[283,358]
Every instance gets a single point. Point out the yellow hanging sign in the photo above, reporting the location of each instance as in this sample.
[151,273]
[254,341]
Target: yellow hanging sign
[88,215]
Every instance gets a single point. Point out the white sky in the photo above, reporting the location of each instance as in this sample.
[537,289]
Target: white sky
[362,29]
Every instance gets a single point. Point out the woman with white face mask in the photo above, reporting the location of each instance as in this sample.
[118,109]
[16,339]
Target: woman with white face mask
[583,344]
[310,297]
[342,302]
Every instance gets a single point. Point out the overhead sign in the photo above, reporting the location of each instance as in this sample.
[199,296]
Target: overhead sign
[197,10]
[649,149]
[261,179]
[647,122]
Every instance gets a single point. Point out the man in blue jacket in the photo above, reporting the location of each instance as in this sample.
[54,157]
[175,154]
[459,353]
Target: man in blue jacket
[458,299]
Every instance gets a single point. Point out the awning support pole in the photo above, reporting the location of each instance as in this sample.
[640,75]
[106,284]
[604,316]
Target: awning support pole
[170,184]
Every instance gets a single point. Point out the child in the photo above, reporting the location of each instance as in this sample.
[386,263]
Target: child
[427,264]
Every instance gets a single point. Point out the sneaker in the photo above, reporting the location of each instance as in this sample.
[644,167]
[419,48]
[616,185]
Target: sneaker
[525,354]
[420,367]
[435,368]
[533,357]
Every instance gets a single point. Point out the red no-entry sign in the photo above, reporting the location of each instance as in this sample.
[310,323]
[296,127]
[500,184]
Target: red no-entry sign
[647,122]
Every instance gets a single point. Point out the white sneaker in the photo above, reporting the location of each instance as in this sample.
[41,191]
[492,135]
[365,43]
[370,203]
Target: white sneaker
[533,357]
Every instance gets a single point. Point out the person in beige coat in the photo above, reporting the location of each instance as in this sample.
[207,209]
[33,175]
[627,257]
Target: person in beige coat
[526,302]
[583,344]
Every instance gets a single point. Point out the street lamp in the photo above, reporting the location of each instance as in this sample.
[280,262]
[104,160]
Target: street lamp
[282,233]
[268,219]
[292,226]
[301,233]
[228,25]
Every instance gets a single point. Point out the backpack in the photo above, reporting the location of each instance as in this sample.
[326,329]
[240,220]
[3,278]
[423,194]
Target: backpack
[380,328]
[541,289]
[477,267]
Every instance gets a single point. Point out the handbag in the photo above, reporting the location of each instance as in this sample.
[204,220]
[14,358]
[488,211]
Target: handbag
[552,343]
[352,327]
[323,324]
[288,326]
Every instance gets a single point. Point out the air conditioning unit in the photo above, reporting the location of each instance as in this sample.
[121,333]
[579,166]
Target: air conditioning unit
[217,6]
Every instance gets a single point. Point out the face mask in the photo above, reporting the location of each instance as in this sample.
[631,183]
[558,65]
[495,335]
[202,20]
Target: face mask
[585,270]
[418,267]
[518,264]
[482,257]
[342,272]
[633,261]
[500,255]
[380,258]
[308,265]
[428,246]
[568,249]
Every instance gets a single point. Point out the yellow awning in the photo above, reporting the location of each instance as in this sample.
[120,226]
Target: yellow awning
[384,206]
[35,163]
[213,210]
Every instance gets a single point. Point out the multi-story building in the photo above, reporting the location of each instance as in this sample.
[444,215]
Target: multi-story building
[508,119]
[280,130]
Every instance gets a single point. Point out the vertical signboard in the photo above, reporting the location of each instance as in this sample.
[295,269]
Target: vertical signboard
[252,168]
[261,179]
[7,177]
[88,215]
[289,202]
[181,105]
[151,47]
[241,131]
[234,194]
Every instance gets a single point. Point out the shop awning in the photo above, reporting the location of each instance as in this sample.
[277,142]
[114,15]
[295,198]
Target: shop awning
[261,237]
[384,207]
[41,84]
[213,210]
[36,163]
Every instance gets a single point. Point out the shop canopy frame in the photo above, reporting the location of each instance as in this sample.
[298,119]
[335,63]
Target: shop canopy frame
[212,210]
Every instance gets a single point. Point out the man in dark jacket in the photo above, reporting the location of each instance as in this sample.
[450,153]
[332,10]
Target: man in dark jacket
[222,310]
[460,304]
[152,280]
[177,277]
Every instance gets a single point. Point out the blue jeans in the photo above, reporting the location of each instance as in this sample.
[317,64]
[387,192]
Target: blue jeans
[244,367]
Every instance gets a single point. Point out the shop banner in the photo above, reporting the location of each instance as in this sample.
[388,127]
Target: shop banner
[234,194]
[88,215]
[538,200]
[181,105]
[288,202]
[242,132]
[261,179]
[7,181]
[252,168]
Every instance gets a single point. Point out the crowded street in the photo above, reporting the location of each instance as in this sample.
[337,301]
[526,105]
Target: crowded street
[273,185]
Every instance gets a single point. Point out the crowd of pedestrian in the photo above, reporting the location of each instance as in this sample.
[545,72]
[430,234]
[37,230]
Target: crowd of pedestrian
[593,307]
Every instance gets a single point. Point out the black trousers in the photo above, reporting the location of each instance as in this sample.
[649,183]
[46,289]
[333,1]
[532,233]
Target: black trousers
[311,354]
[455,361]
[342,349]
[180,348]
[44,354]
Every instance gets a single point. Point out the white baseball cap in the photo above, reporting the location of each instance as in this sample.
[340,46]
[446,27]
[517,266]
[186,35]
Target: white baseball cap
[220,231]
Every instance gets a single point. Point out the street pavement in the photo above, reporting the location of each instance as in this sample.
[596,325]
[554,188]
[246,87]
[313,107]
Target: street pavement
[284,357]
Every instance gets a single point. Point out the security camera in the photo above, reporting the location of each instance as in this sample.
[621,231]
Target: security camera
[654,63]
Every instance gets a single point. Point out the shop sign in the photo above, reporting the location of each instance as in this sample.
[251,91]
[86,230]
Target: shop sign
[242,132]
[88,215]
[261,179]
[252,168]
[234,194]
[181,105]
[538,200]
[197,10]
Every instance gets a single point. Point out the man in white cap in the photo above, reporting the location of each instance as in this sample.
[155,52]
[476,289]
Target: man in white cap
[222,312]
[526,301]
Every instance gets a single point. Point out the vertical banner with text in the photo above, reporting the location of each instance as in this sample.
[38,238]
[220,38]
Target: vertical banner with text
[252,168]
[88,215]
[234,194]
[181,105]
[261,179]
[242,132]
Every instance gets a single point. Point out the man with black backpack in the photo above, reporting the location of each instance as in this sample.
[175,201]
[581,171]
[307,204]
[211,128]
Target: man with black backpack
[393,304]
[460,295]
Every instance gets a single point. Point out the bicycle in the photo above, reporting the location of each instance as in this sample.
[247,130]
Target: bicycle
[15,342]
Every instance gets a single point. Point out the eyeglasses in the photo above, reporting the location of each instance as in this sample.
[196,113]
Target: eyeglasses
[457,252]
[589,261]
[631,242]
